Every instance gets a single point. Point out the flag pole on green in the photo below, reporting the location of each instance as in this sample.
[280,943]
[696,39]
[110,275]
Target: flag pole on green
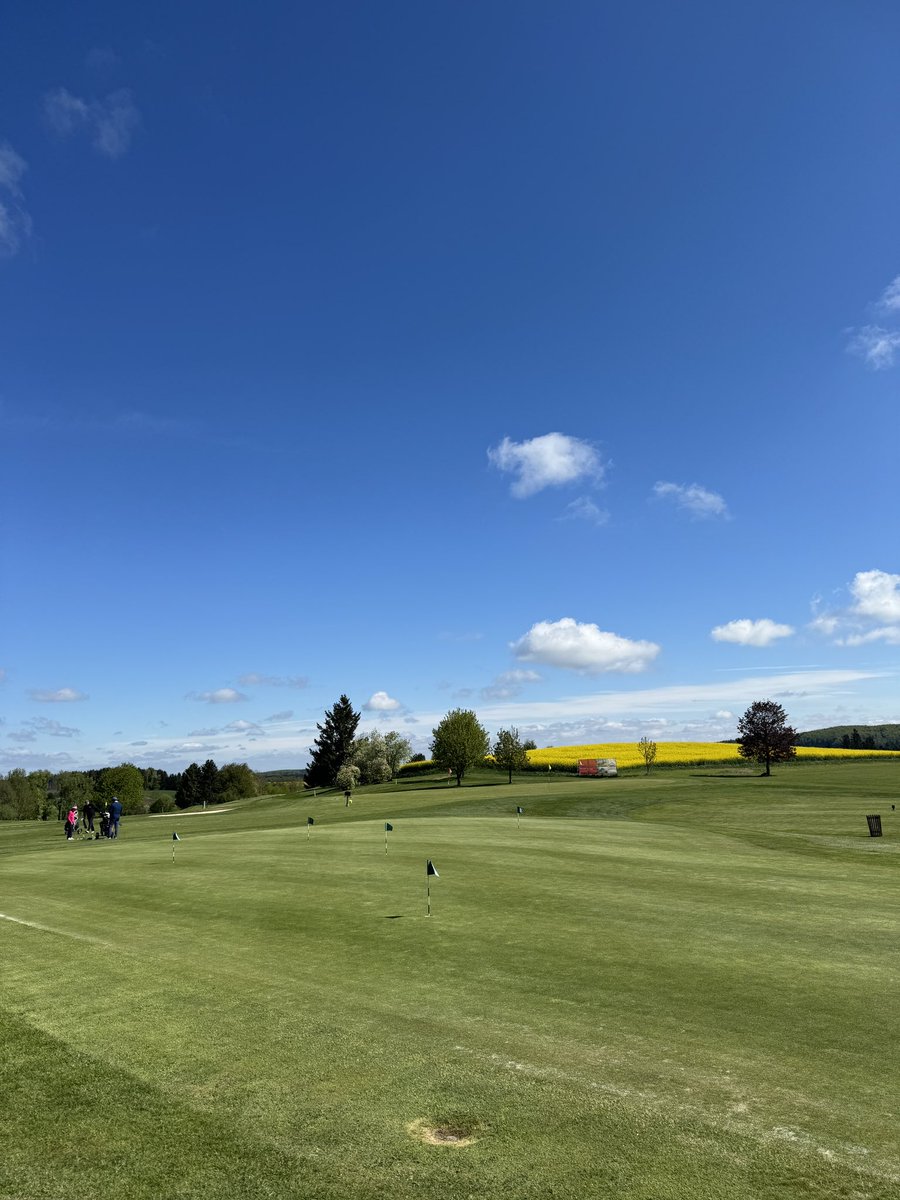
[175,838]
[519,812]
[388,828]
[309,822]
[430,870]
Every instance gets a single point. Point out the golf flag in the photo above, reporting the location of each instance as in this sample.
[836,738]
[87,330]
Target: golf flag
[310,821]
[175,837]
[388,827]
[430,869]
[519,810]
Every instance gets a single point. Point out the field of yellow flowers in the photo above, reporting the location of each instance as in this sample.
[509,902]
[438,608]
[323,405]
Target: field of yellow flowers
[683,754]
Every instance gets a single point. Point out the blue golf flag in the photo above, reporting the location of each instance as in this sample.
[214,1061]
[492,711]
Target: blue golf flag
[388,827]
[175,837]
[430,869]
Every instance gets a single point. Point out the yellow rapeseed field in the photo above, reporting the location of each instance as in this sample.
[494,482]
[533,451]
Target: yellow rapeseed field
[627,754]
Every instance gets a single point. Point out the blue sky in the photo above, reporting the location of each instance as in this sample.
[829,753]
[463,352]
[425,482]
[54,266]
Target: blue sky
[537,359]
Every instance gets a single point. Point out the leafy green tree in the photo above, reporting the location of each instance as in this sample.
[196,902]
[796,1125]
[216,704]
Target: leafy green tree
[74,787]
[21,799]
[647,750]
[528,744]
[334,745]
[236,782]
[509,753]
[459,742]
[764,734]
[126,782]
[396,751]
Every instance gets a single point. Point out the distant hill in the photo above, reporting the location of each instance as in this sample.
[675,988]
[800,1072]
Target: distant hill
[291,773]
[853,737]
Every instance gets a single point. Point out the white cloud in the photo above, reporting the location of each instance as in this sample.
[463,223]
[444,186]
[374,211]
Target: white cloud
[693,498]
[584,509]
[876,345]
[220,696]
[277,718]
[15,223]
[381,702]
[745,632]
[583,647]
[551,460]
[874,615]
[61,696]
[877,595]
[109,122]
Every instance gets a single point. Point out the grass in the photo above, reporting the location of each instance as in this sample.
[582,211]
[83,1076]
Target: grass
[672,987]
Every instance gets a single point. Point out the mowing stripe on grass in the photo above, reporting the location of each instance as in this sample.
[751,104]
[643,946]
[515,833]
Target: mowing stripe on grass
[81,937]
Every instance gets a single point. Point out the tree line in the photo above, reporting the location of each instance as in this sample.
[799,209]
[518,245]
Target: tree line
[45,795]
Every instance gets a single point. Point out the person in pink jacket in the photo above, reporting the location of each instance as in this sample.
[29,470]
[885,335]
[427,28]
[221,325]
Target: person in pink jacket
[71,822]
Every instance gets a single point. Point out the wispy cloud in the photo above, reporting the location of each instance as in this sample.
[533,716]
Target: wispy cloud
[745,632]
[15,223]
[255,679]
[110,123]
[875,345]
[509,684]
[890,297]
[584,509]
[583,647]
[219,696]
[552,460]
[64,695]
[692,498]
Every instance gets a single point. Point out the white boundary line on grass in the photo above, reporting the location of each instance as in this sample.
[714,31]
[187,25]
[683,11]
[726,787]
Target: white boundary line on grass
[81,937]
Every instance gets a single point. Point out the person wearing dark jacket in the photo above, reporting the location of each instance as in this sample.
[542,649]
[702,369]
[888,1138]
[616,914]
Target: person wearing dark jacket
[87,816]
[115,812]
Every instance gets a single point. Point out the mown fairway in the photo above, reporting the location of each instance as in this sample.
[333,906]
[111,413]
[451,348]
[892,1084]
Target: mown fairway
[670,988]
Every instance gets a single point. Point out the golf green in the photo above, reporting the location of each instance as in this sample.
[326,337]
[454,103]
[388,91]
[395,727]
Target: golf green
[670,987]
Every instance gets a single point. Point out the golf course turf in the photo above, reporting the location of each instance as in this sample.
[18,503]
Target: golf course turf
[680,986]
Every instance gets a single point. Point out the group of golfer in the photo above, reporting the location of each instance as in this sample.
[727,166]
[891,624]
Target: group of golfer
[109,820]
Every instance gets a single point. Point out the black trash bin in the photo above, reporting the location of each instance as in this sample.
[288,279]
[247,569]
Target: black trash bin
[874,820]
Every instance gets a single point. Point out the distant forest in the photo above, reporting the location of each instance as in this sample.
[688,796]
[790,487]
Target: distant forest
[853,737]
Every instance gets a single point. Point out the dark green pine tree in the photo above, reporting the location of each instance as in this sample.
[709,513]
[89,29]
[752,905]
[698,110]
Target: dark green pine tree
[209,782]
[333,745]
[189,789]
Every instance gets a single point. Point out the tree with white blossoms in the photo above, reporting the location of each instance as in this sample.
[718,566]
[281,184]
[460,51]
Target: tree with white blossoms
[347,777]
[379,756]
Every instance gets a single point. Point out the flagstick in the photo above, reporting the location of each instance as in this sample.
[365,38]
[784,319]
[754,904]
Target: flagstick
[428,895]
[173,851]
[385,841]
